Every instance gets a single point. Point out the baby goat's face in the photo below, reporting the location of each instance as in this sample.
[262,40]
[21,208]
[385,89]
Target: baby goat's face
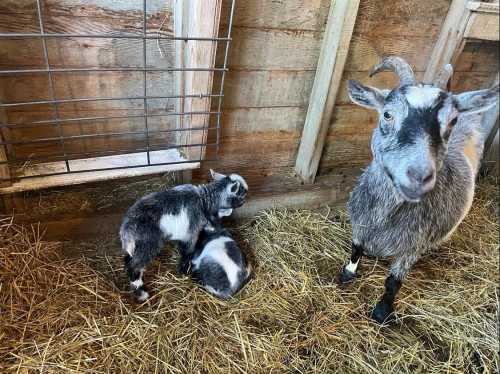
[235,190]
[415,123]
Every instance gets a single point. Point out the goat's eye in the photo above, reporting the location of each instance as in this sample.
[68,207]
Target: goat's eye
[234,188]
[388,116]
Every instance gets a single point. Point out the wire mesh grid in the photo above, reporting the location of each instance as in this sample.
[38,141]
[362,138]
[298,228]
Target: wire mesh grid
[211,118]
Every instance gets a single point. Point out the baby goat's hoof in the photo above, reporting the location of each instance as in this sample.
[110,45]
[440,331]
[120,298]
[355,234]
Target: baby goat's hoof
[141,295]
[346,276]
[383,313]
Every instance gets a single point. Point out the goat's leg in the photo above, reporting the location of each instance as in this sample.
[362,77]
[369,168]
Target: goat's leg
[348,272]
[384,310]
[135,271]
[186,252]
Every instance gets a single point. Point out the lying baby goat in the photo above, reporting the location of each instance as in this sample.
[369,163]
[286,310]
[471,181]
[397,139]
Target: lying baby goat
[177,215]
[420,184]
[218,264]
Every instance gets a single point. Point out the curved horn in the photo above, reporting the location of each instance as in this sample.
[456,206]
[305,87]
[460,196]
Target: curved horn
[444,76]
[398,66]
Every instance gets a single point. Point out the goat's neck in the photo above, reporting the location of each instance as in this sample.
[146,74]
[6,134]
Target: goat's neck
[210,197]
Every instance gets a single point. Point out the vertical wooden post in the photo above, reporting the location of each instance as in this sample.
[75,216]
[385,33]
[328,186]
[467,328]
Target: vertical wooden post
[4,136]
[202,21]
[451,39]
[326,84]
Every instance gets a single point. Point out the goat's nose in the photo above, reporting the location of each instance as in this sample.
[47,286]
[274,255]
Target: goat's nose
[423,176]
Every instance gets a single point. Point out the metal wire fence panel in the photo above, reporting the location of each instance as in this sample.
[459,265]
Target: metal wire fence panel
[106,93]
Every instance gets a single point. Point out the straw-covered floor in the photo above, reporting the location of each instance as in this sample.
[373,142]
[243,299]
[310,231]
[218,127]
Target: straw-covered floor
[62,314]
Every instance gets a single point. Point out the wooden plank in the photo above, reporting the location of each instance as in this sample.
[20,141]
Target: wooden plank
[290,14]
[36,183]
[450,41]
[281,88]
[411,19]
[326,83]
[484,22]
[273,49]
[203,20]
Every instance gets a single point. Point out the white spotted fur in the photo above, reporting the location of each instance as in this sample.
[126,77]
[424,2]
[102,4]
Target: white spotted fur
[215,251]
[175,226]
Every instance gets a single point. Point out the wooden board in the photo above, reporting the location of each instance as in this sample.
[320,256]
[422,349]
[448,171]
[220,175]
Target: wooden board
[484,23]
[134,159]
[326,83]
[203,20]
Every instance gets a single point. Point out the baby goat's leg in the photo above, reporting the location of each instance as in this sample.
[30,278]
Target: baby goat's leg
[348,272]
[135,272]
[384,310]
[186,252]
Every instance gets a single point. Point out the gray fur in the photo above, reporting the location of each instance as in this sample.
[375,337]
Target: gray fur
[395,214]
[178,215]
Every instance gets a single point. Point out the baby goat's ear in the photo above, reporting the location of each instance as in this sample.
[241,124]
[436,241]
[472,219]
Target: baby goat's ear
[476,101]
[369,97]
[216,176]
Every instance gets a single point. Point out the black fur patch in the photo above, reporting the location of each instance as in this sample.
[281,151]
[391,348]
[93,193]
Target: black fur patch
[420,121]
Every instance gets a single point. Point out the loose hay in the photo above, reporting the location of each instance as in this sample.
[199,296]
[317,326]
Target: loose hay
[72,314]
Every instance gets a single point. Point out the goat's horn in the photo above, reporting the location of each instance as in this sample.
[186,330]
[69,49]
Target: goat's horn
[398,66]
[444,76]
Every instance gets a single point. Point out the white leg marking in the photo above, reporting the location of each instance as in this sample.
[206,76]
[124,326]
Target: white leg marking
[130,248]
[143,297]
[137,283]
[352,266]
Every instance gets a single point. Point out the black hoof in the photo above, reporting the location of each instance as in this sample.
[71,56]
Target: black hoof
[346,276]
[383,313]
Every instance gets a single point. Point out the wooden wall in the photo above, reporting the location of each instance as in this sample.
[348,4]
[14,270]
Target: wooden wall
[272,65]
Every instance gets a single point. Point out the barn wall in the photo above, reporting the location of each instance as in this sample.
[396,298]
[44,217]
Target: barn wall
[272,66]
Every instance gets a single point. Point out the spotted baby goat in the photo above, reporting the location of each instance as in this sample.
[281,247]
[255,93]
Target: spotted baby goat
[420,184]
[218,264]
[178,215]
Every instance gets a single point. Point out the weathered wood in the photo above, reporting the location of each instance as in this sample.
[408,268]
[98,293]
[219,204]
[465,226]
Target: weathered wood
[35,183]
[450,41]
[203,19]
[326,83]
[484,22]
[281,88]
[290,14]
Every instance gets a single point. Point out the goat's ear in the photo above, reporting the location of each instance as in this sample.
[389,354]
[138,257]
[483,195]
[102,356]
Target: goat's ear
[216,176]
[369,97]
[476,101]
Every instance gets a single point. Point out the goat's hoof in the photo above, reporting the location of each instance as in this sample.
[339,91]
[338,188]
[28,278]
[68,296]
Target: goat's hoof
[383,313]
[141,295]
[346,276]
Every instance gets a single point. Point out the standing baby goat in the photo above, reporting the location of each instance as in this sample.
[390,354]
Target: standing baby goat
[178,215]
[420,184]
[218,264]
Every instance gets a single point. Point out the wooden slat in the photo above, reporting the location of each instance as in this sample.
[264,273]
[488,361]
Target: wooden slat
[484,21]
[37,183]
[326,83]
[450,41]
[203,20]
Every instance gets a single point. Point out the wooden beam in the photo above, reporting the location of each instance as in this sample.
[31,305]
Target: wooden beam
[331,63]
[202,21]
[450,41]
[125,162]
[484,21]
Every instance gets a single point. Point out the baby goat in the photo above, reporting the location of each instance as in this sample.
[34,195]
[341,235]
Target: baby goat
[420,184]
[218,264]
[178,215]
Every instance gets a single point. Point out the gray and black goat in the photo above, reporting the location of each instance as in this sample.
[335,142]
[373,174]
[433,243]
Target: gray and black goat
[178,215]
[426,150]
